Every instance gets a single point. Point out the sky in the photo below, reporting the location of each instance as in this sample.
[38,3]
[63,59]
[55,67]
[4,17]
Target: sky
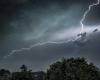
[25,24]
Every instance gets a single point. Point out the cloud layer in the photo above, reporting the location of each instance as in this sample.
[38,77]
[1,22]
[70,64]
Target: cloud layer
[27,22]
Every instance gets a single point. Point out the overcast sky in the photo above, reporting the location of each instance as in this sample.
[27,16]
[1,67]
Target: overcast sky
[24,23]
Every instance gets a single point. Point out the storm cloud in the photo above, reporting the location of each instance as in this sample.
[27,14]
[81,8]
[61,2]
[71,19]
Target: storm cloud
[27,22]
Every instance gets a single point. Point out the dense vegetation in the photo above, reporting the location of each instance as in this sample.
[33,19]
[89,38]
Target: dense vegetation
[66,69]
[73,69]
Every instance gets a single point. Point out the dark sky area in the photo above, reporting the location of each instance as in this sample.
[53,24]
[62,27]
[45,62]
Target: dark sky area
[27,22]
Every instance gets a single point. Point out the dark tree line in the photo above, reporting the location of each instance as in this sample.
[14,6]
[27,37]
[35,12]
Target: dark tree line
[66,69]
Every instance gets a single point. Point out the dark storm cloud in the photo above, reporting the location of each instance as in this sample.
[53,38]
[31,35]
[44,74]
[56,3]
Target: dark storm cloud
[44,55]
[11,9]
[25,22]
[14,14]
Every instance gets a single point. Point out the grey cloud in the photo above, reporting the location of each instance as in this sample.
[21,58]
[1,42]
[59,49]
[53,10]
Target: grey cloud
[46,54]
[26,22]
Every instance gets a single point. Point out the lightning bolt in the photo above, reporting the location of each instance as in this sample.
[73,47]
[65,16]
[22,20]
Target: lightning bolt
[85,14]
[32,46]
[51,42]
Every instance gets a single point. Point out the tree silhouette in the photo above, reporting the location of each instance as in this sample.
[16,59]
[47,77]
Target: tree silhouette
[73,69]
[23,68]
[5,74]
[25,74]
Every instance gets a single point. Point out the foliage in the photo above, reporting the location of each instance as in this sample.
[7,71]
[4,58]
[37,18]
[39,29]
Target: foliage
[73,69]
[23,68]
[3,72]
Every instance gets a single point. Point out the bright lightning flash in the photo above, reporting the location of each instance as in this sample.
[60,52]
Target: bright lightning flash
[32,46]
[85,14]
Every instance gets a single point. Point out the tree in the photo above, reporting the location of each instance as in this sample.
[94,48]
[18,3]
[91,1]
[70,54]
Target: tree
[5,74]
[3,71]
[73,69]
[25,74]
[23,68]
